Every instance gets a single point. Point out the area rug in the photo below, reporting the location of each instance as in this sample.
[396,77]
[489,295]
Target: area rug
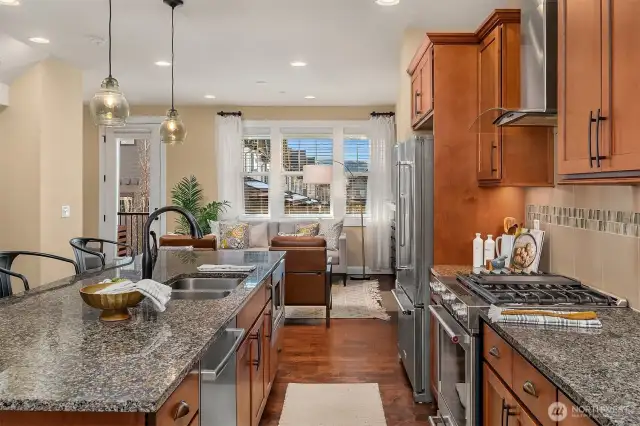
[332,405]
[359,299]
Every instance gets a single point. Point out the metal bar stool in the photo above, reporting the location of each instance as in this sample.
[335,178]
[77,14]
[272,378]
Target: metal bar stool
[6,260]
[89,252]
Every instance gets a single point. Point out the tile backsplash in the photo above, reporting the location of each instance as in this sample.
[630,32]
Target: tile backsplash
[592,234]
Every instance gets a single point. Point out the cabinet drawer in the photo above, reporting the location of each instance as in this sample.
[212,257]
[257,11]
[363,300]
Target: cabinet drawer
[250,312]
[534,390]
[182,405]
[573,418]
[196,420]
[498,354]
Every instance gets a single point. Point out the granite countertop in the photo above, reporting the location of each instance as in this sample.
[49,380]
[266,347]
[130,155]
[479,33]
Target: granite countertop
[450,270]
[56,355]
[599,369]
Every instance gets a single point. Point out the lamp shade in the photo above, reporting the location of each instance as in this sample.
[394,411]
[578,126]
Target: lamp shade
[109,107]
[317,174]
[172,130]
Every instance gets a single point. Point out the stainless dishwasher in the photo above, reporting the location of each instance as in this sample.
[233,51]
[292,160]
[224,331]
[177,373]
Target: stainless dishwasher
[218,379]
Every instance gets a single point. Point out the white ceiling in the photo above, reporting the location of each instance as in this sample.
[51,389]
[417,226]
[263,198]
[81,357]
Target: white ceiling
[224,46]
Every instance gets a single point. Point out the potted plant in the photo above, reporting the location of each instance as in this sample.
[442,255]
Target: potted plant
[188,194]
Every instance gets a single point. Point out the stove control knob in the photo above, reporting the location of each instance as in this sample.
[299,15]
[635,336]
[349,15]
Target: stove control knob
[448,297]
[436,287]
[460,309]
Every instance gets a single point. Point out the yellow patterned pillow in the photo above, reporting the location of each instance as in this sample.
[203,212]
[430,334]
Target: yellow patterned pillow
[234,236]
[308,230]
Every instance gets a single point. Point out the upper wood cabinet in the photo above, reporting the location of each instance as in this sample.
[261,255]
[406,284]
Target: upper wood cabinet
[598,90]
[507,156]
[421,72]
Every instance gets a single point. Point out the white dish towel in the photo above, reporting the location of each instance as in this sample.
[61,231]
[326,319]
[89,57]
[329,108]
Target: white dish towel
[226,268]
[158,293]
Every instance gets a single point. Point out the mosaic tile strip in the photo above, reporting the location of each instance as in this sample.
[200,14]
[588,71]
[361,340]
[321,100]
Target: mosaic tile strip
[610,221]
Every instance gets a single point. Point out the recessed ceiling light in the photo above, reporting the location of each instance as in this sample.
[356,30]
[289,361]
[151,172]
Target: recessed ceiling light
[210,96]
[261,82]
[97,40]
[39,40]
[163,64]
[387,2]
[309,97]
[9,2]
[298,64]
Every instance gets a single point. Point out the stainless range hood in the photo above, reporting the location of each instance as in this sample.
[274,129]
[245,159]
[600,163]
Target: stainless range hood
[538,66]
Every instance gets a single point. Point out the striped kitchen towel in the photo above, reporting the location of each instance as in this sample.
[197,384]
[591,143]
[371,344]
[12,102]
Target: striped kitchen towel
[496,315]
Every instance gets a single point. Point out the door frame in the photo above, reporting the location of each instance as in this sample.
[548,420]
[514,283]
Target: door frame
[108,228]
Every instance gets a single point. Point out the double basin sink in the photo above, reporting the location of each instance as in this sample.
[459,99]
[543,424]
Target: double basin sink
[205,288]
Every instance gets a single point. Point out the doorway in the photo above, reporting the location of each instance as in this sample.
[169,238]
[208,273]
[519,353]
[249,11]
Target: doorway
[132,182]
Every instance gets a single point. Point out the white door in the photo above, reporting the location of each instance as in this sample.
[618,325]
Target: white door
[132,181]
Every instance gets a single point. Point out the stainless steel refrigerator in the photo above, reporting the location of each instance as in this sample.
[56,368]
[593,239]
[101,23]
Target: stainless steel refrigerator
[414,257]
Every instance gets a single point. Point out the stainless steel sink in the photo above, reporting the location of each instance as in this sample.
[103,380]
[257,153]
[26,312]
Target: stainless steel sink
[206,284]
[199,294]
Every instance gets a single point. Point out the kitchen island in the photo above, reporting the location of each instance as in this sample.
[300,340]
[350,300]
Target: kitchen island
[57,356]
[595,370]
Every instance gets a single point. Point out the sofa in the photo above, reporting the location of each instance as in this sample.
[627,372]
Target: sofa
[338,257]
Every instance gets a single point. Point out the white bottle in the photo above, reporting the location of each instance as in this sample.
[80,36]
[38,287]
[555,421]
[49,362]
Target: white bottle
[478,256]
[489,248]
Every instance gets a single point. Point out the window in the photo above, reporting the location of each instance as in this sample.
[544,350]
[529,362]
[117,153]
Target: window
[297,152]
[256,163]
[357,158]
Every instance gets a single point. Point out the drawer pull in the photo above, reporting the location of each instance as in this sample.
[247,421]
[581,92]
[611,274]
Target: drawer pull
[494,352]
[182,409]
[529,388]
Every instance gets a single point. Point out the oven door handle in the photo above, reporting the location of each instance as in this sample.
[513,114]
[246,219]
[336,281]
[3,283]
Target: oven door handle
[456,333]
[405,309]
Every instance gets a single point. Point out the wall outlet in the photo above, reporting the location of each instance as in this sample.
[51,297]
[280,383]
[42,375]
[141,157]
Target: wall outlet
[66,211]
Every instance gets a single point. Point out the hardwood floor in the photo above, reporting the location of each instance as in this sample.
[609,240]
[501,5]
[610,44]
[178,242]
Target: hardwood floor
[351,351]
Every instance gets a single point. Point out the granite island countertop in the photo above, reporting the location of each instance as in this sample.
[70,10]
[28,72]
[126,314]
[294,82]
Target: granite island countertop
[599,369]
[56,355]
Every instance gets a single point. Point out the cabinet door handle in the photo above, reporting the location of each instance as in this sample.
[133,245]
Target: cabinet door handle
[257,338]
[492,148]
[510,411]
[494,352]
[182,409]
[591,120]
[415,99]
[599,118]
[529,388]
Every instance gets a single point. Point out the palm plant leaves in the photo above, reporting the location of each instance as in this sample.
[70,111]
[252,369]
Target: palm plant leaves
[188,194]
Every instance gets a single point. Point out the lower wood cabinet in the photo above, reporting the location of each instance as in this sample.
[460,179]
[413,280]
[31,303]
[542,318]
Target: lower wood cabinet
[499,405]
[243,384]
[574,417]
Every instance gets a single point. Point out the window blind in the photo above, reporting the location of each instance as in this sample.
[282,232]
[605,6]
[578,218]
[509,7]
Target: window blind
[357,158]
[256,164]
[302,150]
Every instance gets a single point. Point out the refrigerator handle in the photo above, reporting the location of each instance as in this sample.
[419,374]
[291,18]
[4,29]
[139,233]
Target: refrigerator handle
[401,214]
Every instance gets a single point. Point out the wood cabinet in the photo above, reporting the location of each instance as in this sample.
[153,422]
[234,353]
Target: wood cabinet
[256,337]
[507,156]
[421,72]
[499,407]
[243,383]
[598,90]
[574,417]
[182,405]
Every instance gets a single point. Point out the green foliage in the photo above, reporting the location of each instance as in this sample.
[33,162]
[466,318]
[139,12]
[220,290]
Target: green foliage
[188,194]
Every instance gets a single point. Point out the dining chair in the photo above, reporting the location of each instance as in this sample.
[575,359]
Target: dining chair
[89,252]
[6,261]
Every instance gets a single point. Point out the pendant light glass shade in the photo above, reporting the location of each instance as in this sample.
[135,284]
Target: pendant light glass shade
[172,130]
[109,107]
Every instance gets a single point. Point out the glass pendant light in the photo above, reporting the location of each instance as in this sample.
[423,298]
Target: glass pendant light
[172,130]
[109,107]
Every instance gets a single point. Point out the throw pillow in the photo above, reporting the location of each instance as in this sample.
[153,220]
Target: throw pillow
[259,235]
[234,236]
[308,230]
[331,232]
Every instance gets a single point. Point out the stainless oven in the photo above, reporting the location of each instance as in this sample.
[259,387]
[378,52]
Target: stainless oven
[456,375]
[277,300]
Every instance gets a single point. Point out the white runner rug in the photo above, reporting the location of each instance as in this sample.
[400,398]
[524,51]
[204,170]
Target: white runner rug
[359,299]
[332,405]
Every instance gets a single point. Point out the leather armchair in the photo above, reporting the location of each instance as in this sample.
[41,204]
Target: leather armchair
[307,282]
[208,242]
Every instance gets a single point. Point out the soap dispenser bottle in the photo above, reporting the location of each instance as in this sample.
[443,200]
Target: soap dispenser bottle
[489,248]
[478,254]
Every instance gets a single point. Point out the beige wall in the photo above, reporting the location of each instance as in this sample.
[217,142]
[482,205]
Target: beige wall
[197,156]
[42,160]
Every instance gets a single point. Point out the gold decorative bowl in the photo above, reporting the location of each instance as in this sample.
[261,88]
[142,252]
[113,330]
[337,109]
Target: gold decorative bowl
[114,306]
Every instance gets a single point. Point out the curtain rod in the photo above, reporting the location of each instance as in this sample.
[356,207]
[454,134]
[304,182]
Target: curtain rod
[230,114]
[383,114]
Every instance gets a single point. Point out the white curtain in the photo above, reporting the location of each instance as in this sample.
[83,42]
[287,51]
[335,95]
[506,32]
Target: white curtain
[230,178]
[378,230]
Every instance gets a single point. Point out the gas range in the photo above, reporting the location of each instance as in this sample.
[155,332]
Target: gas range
[466,295]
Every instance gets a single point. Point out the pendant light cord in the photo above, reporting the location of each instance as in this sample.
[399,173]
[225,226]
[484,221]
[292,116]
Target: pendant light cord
[173,9]
[110,39]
